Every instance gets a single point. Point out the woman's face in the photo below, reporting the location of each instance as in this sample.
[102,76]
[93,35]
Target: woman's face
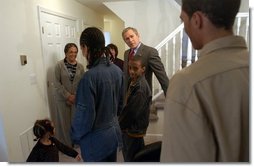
[71,55]
[113,52]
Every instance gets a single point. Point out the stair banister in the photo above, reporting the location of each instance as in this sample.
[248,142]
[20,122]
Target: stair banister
[242,19]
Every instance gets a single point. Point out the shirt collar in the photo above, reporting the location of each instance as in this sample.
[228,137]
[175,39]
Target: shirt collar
[136,49]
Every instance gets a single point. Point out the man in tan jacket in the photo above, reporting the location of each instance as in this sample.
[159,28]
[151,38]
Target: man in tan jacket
[207,104]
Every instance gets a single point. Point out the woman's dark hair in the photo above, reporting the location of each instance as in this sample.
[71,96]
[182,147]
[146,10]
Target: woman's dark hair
[112,46]
[94,40]
[41,127]
[220,12]
[68,46]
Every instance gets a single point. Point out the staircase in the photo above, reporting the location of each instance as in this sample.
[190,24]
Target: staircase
[176,53]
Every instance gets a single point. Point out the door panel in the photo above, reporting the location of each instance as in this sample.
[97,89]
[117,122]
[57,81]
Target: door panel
[56,31]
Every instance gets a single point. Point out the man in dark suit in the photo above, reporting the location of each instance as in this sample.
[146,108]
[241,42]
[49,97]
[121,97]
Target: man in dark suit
[151,58]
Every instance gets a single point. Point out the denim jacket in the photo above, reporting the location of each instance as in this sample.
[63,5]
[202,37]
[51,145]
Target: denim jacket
[99,97]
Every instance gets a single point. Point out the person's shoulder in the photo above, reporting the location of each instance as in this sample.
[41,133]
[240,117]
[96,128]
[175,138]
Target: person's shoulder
[119,60]
[142,82]
[142,86]
[53,139]
[60,63]
[80,67]
[38,146]
[144,46]
[189,75]
[180,86]
[90,72]
[116,68]
[145,83]
[100,68]
[148,50]
[186,79]
[183,79]
[143,79]
[180,75]
[79,64]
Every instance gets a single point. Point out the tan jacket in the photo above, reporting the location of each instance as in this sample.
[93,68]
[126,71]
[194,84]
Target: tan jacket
[207,106]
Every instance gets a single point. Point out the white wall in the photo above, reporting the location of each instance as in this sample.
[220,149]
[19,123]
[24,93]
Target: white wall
[244,6]
[115,25]
[22,102]
[153,19]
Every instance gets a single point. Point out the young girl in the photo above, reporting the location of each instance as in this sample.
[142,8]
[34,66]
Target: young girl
[48,147]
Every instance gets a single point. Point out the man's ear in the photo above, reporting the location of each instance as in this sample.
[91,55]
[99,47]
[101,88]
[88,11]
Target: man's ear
[197,19]
[144,69]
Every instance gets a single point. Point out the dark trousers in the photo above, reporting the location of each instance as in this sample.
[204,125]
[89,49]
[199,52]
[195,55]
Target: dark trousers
[110,158]
[131,146]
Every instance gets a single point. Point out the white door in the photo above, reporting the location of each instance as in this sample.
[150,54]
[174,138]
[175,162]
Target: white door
[56,31]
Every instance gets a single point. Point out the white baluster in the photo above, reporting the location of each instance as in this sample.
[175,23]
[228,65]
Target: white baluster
[167,59]
[181,47]
[238,25]
[189,52]
[247,29]
[174,53]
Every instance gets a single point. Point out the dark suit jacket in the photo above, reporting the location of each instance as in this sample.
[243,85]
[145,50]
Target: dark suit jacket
[152,63]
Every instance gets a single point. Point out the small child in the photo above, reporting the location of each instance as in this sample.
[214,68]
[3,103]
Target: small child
[48,147]
[134,118]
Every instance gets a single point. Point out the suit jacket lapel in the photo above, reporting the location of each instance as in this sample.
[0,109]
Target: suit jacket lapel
[140,49]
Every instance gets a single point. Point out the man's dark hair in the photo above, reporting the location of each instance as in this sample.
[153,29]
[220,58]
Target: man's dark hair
[220,12]
[130,28]
[138,58]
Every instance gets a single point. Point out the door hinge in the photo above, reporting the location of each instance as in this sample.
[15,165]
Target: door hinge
[42,29]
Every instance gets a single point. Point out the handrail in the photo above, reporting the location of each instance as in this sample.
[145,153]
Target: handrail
[242,14]
[170,36]
[180,28]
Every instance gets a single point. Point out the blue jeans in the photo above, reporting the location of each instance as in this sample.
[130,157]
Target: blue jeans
[110,158]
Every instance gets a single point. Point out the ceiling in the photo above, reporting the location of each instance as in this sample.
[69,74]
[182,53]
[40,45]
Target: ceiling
[98,5]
